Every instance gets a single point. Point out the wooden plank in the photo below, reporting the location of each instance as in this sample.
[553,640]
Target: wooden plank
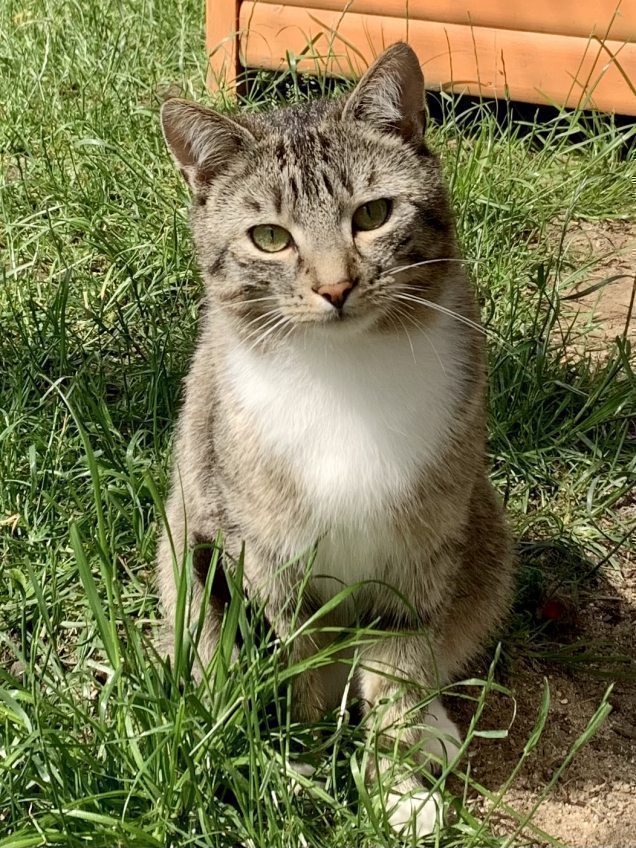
[534,67]
[221,39]
[615,19]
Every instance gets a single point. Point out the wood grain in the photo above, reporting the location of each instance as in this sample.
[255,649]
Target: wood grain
[492,62]
[615,19]
[222,42]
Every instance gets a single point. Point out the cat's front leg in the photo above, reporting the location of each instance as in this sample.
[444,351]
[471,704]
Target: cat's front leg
[300,643]
[187,539]
[397,674]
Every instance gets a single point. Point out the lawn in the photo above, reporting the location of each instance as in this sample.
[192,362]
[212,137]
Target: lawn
[99,744]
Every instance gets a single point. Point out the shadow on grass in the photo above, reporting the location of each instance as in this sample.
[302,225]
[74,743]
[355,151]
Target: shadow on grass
[573,627]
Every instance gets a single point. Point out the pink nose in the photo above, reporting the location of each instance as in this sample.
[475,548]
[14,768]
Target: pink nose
[335,293]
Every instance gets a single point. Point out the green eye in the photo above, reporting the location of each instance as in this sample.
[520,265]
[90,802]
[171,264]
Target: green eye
[371,215]
[270,237]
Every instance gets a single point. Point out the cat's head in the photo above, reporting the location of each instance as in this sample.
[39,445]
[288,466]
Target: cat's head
[303,216]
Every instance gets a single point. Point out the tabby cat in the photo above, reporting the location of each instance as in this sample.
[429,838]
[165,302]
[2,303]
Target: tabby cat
[334,408]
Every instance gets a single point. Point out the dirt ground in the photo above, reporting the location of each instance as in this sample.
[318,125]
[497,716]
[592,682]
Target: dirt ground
[603,280]
[593,805]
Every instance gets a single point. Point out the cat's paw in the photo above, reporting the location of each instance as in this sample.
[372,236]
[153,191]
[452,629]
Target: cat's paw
[443,737]
[300,775]
[415,814]
[413,810]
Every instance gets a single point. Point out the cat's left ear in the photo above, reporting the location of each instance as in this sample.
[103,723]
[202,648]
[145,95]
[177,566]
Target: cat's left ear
[390,96]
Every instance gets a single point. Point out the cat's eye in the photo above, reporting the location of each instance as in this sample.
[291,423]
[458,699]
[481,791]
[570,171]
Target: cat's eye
[270,237]
[371,215]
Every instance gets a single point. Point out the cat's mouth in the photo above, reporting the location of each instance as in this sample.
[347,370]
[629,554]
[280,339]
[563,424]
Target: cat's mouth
[347,313]
[338,315]
[345,319]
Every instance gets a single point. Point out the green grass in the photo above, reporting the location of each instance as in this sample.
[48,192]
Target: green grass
[99,743]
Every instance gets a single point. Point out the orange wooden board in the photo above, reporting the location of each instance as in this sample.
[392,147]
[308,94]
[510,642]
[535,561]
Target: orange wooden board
[615,19]
[221,25]
[487,61]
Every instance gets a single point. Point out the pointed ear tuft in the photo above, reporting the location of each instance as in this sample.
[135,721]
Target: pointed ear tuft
[201,141]
[390,96]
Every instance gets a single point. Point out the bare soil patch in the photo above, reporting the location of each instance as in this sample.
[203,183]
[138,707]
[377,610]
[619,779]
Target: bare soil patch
[600,296]
[594,802]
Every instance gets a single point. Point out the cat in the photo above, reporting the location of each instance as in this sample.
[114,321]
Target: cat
[334,408]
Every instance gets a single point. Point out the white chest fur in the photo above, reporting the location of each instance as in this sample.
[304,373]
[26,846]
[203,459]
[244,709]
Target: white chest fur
[354,421]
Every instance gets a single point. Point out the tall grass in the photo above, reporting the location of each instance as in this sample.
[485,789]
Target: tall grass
[100,742]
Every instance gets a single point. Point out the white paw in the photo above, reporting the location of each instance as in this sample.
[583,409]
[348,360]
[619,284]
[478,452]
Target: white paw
[416,814]
[300,768]
[300,775]
[443,737]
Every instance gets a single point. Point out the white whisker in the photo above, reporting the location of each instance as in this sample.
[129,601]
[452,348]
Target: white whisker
[393,313]
[292,326]
[398,268]
[439,308]
[268,318]
[282,321]
[423,330]
[259,299]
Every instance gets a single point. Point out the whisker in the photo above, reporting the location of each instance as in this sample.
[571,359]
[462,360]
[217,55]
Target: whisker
[485,331]
[258,318]
[259,299]
[394,312]
[292,327]
[268,318]
[425,333]
[443,309]
[277,325]
[278,336]
[396,269]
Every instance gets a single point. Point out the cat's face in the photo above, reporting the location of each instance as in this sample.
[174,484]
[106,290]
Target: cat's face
[302,217]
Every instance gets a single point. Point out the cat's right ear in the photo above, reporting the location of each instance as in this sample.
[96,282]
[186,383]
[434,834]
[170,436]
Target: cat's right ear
[201,141]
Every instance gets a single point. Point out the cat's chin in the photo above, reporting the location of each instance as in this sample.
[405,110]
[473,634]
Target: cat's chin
[345,324]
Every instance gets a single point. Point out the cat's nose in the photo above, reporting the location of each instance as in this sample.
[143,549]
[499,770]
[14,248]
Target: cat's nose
[335,293]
